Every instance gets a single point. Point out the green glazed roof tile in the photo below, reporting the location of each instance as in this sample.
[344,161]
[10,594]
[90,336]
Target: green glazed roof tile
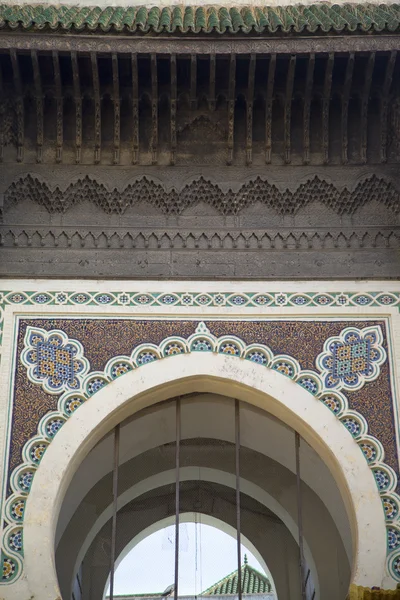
[390,15]
[237,21]
[78,18]
[189,19]
[318,17]
[261,18]
[249,19]
[225,21]
[200,19]
[128,18]
[213,20]
[253,582]
[141,19]
[274,19]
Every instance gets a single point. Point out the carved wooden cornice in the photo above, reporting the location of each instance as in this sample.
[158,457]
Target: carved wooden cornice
[196,45]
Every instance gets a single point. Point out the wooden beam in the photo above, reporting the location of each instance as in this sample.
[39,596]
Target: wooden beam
[154,110]
[59,107]
[78,107]
[39,106]
[345,106]
[326,101]
[135,109]
[19,106]
[288,108]
[117,109]
[231,107]
[364,106]
[173,108]
[220,45]
[268,108]
[249,109]
[212,100]
[384,104]
[193,81]
[307,108]
[97,108]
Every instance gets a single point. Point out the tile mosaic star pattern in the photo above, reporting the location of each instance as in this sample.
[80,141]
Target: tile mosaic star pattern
[348,355]
[53,360]
[352,359]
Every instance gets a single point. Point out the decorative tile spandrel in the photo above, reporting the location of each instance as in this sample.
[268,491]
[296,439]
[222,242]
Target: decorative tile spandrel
[53,360]
[352,359]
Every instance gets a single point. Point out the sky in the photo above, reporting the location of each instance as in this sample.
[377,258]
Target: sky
[206,556]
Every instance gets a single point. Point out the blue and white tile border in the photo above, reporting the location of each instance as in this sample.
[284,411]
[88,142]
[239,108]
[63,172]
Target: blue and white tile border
[200,341]
[228,300]
[211,298]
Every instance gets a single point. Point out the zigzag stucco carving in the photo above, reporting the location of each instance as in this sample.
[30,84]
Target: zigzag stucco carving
[112,201]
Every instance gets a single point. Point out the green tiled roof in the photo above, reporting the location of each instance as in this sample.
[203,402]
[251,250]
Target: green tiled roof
[253,582]
[319,17]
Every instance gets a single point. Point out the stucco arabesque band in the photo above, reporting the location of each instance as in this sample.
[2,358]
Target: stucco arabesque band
[364,347]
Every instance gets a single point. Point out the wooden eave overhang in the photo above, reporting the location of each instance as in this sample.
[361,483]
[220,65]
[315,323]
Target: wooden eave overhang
[86,77]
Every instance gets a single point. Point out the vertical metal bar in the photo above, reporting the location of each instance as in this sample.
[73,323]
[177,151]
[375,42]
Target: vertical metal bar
[300,517]
[114,514]
[177,459]
[237,462]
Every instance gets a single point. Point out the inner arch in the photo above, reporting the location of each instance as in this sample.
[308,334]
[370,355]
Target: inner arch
[201,520]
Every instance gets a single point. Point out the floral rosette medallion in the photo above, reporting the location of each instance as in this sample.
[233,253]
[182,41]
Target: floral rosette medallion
[53,360]
[352,358]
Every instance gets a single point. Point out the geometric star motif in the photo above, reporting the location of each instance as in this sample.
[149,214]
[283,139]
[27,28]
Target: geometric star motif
[53,360]
[352,359]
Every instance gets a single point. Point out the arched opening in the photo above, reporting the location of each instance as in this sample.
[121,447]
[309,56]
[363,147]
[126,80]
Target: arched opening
[147,562]
[209,382]
[268,507]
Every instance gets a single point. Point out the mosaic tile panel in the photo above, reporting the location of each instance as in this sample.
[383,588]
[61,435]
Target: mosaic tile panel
[352,359]
[203,340]
[106,338]
[54,361]
[103,339]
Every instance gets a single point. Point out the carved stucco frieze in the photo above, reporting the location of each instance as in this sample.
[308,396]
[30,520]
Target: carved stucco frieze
[201,190]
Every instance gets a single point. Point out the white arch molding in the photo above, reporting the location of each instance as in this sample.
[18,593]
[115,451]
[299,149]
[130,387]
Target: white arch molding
[187,373]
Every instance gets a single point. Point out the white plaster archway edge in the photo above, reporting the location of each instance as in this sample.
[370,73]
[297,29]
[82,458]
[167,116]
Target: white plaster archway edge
[202,372]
